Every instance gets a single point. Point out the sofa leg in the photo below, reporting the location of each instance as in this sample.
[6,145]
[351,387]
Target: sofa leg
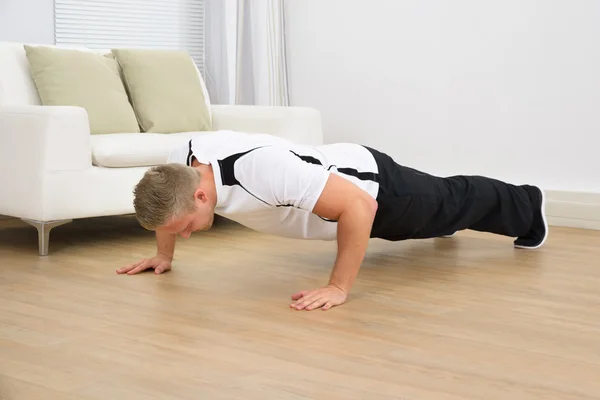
[44,229]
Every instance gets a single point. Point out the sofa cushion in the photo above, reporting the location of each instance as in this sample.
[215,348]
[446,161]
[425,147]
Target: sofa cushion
[69,77]
[165,89]
[136,149]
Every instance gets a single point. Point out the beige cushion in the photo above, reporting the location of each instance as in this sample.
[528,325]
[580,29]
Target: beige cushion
[67,77]
[165,89]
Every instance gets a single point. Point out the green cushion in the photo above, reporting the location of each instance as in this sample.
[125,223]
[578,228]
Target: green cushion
[68,77]
[165,90]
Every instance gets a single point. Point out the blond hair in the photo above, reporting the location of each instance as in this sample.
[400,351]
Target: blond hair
[165,192]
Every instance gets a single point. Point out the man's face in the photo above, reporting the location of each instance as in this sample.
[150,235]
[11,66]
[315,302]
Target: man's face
[199,220]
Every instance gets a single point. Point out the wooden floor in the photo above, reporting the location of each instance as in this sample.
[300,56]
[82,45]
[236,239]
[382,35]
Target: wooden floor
[462,318]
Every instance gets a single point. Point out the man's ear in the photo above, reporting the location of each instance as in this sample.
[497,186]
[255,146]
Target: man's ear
[199,194]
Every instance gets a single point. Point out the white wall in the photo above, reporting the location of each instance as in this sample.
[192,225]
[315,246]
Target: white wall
[509,89]
[30,21]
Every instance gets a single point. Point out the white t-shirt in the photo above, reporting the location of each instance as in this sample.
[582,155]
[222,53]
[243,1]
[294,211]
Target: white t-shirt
[271,185]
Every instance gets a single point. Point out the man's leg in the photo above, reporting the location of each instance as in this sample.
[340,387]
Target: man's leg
[416,205]
[489,205]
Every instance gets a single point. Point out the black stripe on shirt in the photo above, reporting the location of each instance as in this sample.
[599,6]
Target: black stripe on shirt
[188,160]
[308,159]
[363,176]
[227,167]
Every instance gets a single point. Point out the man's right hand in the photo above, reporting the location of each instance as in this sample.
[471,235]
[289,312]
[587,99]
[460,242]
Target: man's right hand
[159,263]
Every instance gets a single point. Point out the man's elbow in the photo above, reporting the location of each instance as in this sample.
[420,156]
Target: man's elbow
[374,205]
[369,204]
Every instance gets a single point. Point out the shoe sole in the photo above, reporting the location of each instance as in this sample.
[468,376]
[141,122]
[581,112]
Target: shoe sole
[545,225]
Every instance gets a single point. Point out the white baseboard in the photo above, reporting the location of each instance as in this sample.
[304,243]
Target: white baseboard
[573,209]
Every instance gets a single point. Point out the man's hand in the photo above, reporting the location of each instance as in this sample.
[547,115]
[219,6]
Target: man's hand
[165,243]
[159,263]
[324,298]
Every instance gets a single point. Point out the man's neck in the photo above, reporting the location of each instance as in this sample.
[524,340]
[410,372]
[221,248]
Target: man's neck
[208,177]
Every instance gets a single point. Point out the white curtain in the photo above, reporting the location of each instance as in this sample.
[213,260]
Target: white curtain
[245,52]
[217,51]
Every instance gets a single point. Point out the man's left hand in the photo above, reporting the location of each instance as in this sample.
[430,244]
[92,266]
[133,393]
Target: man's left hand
[324,298]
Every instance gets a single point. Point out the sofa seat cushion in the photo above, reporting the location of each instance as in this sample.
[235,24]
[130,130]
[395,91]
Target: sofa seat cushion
[123,150]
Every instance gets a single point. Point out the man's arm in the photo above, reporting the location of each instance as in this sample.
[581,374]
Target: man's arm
[165,244]
[354,210]
[282,178]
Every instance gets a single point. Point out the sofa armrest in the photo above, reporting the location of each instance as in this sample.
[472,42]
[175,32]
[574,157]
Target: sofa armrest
[53,138]
[36,141]
[301,125]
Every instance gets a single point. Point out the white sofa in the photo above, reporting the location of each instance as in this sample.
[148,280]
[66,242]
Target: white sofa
[52,170]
